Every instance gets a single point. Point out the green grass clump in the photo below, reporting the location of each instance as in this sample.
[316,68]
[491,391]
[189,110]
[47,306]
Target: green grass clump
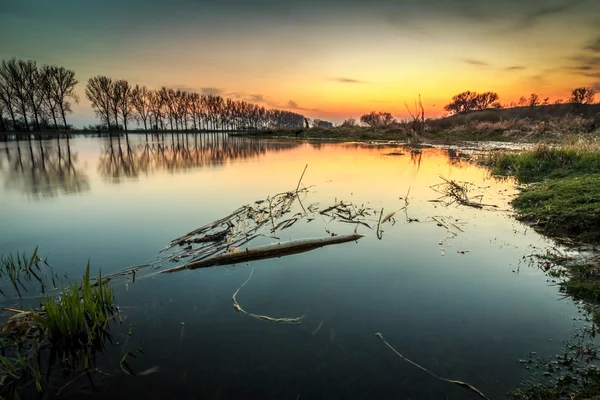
[568,207]
[70,329]
[546,162]
[81,311]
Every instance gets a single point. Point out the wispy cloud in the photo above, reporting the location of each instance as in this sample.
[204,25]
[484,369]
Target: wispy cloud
[257,97]
[211,90]
[515,68]
[473,61]
[594,46]
[293,105]
[534,16]
[347,80]
[184,88]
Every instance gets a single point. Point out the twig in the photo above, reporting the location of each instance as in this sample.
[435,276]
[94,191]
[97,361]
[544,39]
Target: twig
[239,308]
[460,383]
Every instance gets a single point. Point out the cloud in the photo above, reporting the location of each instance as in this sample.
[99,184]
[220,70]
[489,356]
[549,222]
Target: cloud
[257,97]
[184,88]
[346,80]
[292,105]
[515,68]
[594,46]
[533,17]
[211,90]
[473,61]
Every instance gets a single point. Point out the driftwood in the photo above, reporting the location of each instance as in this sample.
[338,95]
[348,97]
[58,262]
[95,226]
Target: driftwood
[267,251]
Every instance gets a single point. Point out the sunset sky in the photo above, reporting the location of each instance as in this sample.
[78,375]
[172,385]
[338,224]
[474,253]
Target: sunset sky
[329,59]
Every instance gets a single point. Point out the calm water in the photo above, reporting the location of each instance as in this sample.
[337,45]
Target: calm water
[468,316]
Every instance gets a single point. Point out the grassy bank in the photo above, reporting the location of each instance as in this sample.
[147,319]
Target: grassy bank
[563,200]
[489,125]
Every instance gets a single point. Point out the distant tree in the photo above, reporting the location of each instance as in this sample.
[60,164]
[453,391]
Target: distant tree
[350,123]
[583,95]
[63,89]
[559,101]
[13,75]
[377,119]
[7,99]
[522,101]
[483,101]
[49,103]
[315,122]
[462,103]
[471,101]
[546,101]
[497,105]
[124,105]
[99,91]
[33,89]
[140,99]
[534,100]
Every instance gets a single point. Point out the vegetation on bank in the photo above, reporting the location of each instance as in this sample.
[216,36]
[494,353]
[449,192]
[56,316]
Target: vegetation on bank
[67,330]
[563,200]
[490,125]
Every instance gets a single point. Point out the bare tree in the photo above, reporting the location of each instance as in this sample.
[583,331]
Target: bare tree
[418,124]
[534,100]
[583,95]
[140,98]
[122,98]
[99,92]
[63,89]
[7,99]
[49,102]
[11,73]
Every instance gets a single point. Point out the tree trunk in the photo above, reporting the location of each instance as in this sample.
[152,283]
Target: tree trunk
[62,112]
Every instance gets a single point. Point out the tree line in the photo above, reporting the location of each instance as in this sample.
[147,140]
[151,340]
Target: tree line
[35,97]
[472,101]
[39,98]
[117,103]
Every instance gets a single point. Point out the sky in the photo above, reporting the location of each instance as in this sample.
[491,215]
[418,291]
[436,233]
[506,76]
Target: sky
[328,59]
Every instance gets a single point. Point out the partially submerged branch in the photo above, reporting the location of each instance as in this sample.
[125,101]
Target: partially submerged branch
[267,251]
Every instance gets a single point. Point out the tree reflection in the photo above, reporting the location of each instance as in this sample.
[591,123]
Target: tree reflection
[42,168]
[122,159]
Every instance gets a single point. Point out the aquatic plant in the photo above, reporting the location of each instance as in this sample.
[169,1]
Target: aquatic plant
[70,329]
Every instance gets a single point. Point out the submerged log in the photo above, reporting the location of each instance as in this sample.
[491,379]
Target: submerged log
[266,251]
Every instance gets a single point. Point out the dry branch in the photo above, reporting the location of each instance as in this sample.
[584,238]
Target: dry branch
[267,251]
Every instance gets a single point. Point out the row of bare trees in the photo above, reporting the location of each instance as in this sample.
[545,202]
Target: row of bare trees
[35,97]
[117,104]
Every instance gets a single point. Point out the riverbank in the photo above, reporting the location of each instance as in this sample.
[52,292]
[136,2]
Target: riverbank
[478,126]
[562,200]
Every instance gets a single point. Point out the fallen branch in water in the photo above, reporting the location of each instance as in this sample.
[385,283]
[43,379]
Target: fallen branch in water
[459,383]
[267,251]
[239,308]
[457,193]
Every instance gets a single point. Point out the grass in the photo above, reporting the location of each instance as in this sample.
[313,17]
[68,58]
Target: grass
[70,328]
[546,162]
[562,200]
[523,124]
[565,199]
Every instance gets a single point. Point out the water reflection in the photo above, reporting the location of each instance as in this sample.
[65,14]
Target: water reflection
[42,168]
[121,158]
